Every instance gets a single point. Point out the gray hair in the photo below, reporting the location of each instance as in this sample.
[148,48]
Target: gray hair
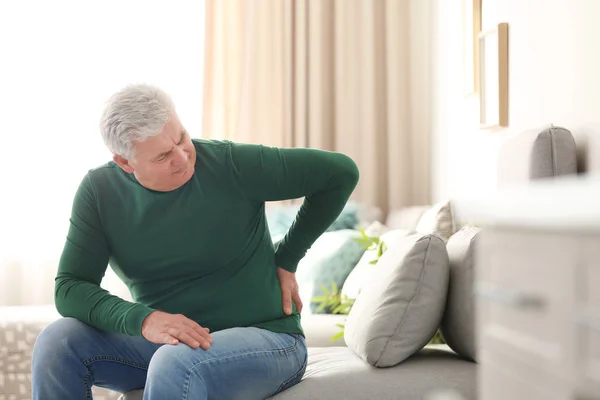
[135,113]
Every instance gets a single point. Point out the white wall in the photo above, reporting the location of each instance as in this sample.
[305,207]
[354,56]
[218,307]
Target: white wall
[554,77]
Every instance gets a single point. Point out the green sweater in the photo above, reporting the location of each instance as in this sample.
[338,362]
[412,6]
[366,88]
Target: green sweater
[203,250]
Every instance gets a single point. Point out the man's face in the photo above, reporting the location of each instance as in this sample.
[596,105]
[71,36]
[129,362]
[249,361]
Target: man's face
[164,162]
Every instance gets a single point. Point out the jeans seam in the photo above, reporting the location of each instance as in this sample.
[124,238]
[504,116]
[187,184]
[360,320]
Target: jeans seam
[188,379]
[87,387]
[186,386]
[92,360]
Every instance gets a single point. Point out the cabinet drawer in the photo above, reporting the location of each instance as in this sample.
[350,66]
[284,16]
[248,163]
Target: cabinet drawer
[502,378]
[536,263]
[525,284]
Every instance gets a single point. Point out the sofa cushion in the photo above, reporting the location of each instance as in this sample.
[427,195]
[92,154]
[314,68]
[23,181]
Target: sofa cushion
[337,373]
[400,307]
[458,324]
[133,395]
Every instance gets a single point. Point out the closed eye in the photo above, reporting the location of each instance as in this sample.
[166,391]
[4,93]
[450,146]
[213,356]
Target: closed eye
[183,136]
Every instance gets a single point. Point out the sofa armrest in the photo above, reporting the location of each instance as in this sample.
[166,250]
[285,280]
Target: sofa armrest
[319,328]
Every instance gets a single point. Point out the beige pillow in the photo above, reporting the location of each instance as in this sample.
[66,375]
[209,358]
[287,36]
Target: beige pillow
[406,217]
[400,306]
[438,219]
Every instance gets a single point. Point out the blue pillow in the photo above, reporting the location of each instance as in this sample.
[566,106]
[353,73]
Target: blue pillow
[281,218]
[330,260]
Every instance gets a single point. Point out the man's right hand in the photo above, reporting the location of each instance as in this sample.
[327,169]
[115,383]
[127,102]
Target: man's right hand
[163,328]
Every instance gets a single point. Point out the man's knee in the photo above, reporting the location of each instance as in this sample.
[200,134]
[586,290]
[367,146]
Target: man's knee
[168,359]
[58,339]
[173,369]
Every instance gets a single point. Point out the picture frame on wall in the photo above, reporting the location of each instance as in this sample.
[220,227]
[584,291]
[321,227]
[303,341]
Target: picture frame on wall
[493,77]
[471,30]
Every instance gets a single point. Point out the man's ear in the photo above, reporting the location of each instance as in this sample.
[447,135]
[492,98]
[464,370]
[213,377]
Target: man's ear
[123,163]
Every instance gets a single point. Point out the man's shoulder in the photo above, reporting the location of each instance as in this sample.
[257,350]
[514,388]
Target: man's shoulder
[101,175]
[211,144]
[213,152]
[96,180]
[225,144]
[107,169]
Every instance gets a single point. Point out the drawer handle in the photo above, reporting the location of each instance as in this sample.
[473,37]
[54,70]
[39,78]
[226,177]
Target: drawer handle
[588,319]
[510,298]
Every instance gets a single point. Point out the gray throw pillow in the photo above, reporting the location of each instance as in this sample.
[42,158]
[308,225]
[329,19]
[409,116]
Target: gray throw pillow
[458,324]
[554,153]
[400,308]
[537,154]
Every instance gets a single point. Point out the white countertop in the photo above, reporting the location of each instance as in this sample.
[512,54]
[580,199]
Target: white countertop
[559,204]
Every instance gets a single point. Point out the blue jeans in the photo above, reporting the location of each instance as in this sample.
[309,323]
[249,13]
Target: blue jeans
[242,363]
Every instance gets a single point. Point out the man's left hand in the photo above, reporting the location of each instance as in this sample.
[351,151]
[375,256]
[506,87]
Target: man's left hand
[289,290]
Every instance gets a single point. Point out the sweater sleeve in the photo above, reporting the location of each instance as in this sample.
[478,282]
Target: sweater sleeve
[325,179]
[81,268]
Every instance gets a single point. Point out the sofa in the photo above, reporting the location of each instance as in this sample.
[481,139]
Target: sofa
[345,369]
[372,360]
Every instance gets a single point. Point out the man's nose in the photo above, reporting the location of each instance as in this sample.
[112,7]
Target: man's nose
[180,155]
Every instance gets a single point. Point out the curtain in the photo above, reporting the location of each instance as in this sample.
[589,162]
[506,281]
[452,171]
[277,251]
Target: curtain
[61,60]
[343,75]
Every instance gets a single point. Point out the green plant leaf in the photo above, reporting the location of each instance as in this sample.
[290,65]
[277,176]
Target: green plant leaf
[321,307]
[334,288]
[338,335]
[438,338]
[339,309]
[368,242]
[325,290]
[379,251]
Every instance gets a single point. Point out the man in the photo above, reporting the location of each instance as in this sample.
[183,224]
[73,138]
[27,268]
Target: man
[182,222]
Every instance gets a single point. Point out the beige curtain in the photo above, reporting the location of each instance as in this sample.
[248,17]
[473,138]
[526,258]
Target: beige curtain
[326,74]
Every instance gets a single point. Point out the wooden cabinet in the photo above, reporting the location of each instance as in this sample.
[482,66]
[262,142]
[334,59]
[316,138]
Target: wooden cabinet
[538,304]
[588,320]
